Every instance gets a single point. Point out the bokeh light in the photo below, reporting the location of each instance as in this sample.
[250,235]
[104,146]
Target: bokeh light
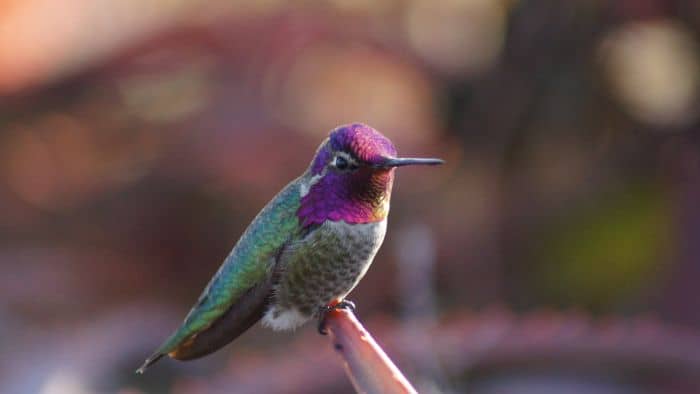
[653,69]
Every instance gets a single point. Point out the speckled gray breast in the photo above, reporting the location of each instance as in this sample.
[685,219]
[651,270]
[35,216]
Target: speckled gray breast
[325,265]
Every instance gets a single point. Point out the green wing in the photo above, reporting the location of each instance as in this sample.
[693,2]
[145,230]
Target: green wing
[241,280]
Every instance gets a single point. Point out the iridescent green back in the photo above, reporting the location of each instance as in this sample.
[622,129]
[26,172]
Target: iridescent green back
[249,263]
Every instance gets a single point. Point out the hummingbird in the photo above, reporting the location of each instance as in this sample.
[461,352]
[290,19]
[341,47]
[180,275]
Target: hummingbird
[304,252]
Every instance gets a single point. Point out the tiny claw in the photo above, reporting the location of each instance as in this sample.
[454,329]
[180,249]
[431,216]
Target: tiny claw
[322,319]
[344,304]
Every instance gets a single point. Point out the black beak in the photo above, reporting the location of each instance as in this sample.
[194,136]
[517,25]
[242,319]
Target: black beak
[409,161]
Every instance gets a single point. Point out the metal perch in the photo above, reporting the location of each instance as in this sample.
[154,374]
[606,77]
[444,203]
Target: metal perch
[369,368]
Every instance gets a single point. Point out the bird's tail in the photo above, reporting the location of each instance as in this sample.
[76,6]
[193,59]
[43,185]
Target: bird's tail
[149,361]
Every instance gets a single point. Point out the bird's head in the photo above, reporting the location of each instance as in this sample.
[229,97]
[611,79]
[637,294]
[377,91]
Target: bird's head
[351,176]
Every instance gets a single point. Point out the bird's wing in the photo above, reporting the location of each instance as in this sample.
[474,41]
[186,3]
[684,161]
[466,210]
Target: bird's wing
[236,296]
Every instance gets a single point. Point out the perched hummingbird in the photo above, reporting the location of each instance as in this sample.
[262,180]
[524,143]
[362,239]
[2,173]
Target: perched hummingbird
[306,250]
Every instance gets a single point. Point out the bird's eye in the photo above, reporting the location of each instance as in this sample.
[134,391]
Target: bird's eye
[341,163]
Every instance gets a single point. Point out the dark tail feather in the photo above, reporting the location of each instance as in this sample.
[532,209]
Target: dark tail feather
[149,361]
[236,320]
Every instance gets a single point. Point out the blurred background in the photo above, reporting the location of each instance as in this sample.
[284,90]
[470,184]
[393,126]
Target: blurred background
[558,251]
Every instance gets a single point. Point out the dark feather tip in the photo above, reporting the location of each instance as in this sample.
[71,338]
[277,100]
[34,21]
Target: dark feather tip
[150,361]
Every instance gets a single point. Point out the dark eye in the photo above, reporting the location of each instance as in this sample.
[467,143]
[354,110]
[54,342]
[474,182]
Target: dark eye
[341,163]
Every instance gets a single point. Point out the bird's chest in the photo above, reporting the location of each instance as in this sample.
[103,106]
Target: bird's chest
[327,264]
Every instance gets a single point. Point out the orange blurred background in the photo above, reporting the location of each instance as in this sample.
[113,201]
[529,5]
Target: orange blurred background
[557,251]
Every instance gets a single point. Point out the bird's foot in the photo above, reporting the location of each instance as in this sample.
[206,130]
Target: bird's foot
[344,304]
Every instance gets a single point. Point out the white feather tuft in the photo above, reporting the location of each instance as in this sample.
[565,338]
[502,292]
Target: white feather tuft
[286,319]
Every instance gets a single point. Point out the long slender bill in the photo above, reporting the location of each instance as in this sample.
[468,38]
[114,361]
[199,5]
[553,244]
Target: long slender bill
[409,161]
